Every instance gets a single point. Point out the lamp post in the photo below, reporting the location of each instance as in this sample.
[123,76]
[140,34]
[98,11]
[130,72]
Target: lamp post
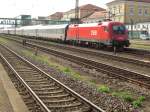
[131,28]
[15,25]
[110,15]
[77,11]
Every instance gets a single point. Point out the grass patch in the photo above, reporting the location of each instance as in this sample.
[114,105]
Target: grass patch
[104,89]
[124,95]
[138,103]
[140,46]
[92,81]
[128,97]
[141,98]
[3,40]
[67,70]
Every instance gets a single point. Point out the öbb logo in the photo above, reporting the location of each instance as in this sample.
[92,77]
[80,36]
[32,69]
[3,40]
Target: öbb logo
[93,32]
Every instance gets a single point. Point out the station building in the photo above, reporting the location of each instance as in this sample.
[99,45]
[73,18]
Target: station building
[24,20]
[129,11]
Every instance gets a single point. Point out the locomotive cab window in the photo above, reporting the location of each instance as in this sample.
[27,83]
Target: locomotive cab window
[119,29]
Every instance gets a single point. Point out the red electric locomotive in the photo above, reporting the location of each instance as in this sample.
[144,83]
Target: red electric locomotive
[108,33]
[105,33]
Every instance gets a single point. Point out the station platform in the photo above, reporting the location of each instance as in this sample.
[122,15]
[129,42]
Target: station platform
[10,100]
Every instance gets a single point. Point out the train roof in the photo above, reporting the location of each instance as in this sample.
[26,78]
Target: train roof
[54,26]
[43,27]
[95,24]
[63,26]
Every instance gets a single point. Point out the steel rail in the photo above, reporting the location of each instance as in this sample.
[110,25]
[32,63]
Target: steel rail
[37,99]
[114,71]
[140,79]
[91,52]
[93,106]
[127,50]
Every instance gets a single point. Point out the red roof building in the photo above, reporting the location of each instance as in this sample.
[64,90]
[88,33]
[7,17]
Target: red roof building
[84,11]
[95,17]
[56,16]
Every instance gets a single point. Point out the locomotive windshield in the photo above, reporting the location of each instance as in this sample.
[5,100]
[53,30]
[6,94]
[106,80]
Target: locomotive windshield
[119,29]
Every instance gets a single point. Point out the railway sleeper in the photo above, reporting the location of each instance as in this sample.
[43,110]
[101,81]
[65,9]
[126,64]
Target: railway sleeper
[46,89]
[56,96]
[29,102]
[64,104]
[33,78]
[72,106]
[49,92]
[68,99]
[24,67]
[41,86]
[52,95]
[38,83]
[26,71]
[31,75]
[73,109]
[36,80]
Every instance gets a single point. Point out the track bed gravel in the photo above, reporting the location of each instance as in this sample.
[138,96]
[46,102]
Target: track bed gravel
[119,64]
[107,51]
[103,100]
[125,65]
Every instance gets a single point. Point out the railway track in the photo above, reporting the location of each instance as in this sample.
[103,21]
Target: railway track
[140,52]
[45,93]
[139,79]
[142,44]
[96,53]
[130,51]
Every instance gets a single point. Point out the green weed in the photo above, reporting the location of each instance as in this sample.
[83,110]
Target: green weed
[141,98]
[67,70]
[103,89]
[124,95]
[137,103]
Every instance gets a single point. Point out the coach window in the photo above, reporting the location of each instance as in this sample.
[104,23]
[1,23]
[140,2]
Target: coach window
[134,26]
[55,32]
[50,31]
[46,31]
[138,26]
[60,31]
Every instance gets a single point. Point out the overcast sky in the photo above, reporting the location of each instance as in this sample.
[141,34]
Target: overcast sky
[13,8]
